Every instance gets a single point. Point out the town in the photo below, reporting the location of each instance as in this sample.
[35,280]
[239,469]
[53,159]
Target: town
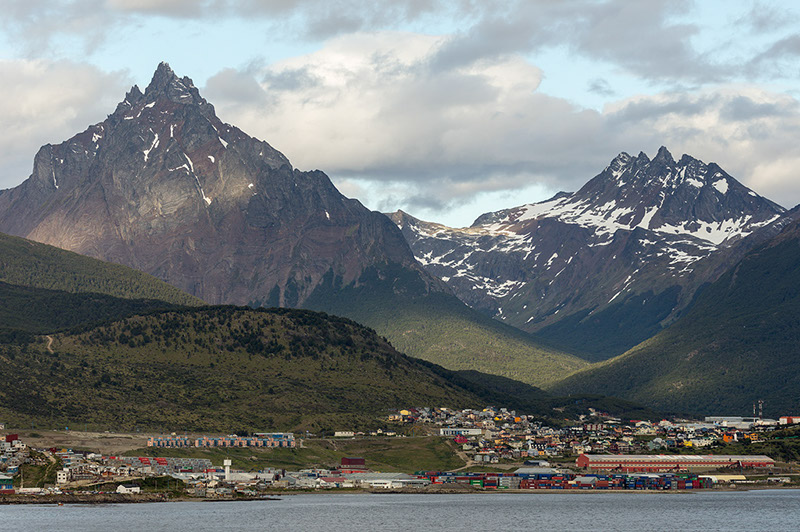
[500,449]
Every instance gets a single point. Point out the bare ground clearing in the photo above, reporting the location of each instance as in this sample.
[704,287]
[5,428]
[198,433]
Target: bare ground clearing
[102,442]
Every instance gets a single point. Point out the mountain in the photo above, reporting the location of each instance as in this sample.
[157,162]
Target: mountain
[223,368]
[599,270]
[164,186]
[738,343]
[440,328]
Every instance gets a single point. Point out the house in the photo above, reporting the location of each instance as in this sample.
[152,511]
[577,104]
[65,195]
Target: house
[6,485]
[128,488]
[334,482]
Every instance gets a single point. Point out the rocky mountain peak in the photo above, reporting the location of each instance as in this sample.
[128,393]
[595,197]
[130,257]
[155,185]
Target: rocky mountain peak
[663,156]
[162,77]
[132,98]
[163,185]
[619,163]
[166,83]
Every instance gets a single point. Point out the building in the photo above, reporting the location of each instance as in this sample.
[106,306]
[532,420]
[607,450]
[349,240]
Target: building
[661,463]
[128,488]
[453,431]
[353,464]
[789,420]
[260,439]
[738,422]
[6,485]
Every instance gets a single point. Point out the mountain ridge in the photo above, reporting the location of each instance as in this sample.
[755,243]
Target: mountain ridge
[633,239]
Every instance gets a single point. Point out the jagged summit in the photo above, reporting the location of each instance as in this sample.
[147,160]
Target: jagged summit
[162,77]
[686,197]
[165,87]
[663,156]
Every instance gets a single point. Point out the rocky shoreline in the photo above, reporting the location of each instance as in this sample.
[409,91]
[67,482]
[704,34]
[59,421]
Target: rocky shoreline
[99,498]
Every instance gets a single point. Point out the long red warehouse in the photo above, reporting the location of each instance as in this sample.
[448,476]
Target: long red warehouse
[655,463]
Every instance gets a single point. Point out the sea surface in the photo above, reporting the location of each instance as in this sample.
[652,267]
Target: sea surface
[753,510]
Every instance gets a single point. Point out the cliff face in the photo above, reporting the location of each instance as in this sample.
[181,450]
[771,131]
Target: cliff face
[164,186]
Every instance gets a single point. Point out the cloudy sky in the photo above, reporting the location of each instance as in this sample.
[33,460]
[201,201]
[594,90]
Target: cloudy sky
[446,109]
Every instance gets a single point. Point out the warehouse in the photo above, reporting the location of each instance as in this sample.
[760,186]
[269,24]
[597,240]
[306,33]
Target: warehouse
[661,463]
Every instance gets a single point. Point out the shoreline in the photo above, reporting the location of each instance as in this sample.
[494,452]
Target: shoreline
[117,498]
[100,498]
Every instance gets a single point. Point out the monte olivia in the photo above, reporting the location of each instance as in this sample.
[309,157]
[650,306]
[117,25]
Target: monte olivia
[164,186]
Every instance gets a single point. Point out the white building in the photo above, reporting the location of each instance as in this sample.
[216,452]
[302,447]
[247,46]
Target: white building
[458,431]
[128,488]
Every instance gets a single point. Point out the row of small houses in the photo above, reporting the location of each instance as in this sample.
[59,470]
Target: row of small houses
[272,439]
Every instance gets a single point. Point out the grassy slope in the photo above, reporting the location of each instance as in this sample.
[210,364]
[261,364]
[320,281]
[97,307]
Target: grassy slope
[740,342]
[218,368]
[27,263]
[381,454]
[597,336]
[439,328]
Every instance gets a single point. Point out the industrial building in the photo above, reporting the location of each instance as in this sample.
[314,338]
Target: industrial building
[662,463]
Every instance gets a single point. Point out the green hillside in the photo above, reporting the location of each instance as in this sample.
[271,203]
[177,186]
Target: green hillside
[31,264]
[219,369]
[740,342]
[439,328]
[38,310]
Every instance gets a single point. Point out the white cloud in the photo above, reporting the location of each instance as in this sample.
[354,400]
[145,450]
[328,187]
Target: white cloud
[48,102]
[378,113]
[749,131]
[370,108]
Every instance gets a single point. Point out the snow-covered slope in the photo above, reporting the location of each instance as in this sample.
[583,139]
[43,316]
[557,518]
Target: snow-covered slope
[599,269]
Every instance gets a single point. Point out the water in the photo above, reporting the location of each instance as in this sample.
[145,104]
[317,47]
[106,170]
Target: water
[755,510]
